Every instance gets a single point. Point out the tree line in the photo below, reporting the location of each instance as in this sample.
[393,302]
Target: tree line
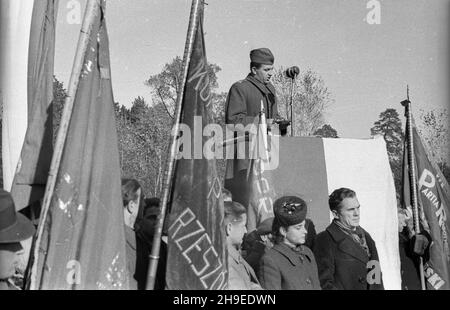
[144,128]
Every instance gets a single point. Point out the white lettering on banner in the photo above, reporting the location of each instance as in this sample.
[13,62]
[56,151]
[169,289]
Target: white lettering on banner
[202,85]
[441,216]
[266,206]
[216,189]
[266,186]
[440,181]
[433,278]
[192,240]
[264,202]
[428,180]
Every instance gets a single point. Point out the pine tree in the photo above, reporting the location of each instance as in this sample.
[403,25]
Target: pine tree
[389,126]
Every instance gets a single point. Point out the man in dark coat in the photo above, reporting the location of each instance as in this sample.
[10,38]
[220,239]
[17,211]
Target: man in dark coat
[346,254]
[241,275]
[243,106]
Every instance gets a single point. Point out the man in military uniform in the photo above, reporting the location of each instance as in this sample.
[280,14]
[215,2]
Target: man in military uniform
[243,106]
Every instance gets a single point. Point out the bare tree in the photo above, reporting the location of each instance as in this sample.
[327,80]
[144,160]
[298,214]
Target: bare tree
[311,98]
[434,129]
[165,85]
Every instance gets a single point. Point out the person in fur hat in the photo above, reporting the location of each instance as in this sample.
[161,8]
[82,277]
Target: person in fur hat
[289,265]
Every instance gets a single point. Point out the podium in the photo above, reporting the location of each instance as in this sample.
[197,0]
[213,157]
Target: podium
[300,172]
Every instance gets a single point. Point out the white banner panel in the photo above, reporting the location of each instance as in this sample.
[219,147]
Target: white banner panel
[15,23]
[363,166]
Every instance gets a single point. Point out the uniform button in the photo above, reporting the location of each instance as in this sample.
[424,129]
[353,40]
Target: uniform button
[308,281]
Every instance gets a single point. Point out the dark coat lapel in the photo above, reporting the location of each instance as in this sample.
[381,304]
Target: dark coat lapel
[265,89]
[347,244]
[262,88]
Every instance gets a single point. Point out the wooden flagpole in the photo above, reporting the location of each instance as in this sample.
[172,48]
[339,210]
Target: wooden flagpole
[412,176]
[92,10]
[167,185]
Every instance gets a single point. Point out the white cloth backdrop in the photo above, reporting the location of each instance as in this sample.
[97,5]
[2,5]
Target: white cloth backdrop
[363,166]
[15,23]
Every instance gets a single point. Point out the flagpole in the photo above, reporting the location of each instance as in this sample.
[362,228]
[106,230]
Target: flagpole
[92,9]
[412,177]
[154,256]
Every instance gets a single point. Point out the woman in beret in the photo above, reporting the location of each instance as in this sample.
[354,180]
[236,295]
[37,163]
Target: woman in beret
[289,265]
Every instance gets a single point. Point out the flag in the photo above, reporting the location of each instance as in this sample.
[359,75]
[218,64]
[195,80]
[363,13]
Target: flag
[83,246]
[313,168]
[34,163]
[15,27]
[261,189]
[433,202]
[197,257]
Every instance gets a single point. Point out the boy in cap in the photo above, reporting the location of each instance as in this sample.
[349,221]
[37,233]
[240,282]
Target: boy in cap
[289,265]
[241,276]
[243,105]
[14,228]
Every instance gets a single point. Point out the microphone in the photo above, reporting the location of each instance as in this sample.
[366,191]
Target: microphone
[292,72]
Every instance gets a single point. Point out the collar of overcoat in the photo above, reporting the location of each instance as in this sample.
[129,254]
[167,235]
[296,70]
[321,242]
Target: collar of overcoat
[239,260]
[264,88]
[347,244]
[291,255]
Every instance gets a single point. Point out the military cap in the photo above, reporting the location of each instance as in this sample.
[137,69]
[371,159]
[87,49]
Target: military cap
[262,56]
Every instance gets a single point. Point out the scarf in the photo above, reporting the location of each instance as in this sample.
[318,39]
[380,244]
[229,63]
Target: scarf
[356,234]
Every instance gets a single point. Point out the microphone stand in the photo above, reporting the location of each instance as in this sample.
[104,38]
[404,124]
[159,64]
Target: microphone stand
[293,80]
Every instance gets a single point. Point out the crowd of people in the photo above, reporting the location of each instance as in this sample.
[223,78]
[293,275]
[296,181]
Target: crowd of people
[283,253]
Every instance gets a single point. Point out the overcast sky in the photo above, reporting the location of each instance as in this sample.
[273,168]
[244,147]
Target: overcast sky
[365,66]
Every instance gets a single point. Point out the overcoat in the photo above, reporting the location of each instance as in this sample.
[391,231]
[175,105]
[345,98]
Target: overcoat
[343,264]
[240,275]
[283,268]
[243,105]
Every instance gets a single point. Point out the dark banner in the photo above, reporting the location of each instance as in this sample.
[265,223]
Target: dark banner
[433,201]
[83,246]
[197,257]
[34,163]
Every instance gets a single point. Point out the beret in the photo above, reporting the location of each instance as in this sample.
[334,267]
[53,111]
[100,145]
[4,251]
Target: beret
[262,56]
